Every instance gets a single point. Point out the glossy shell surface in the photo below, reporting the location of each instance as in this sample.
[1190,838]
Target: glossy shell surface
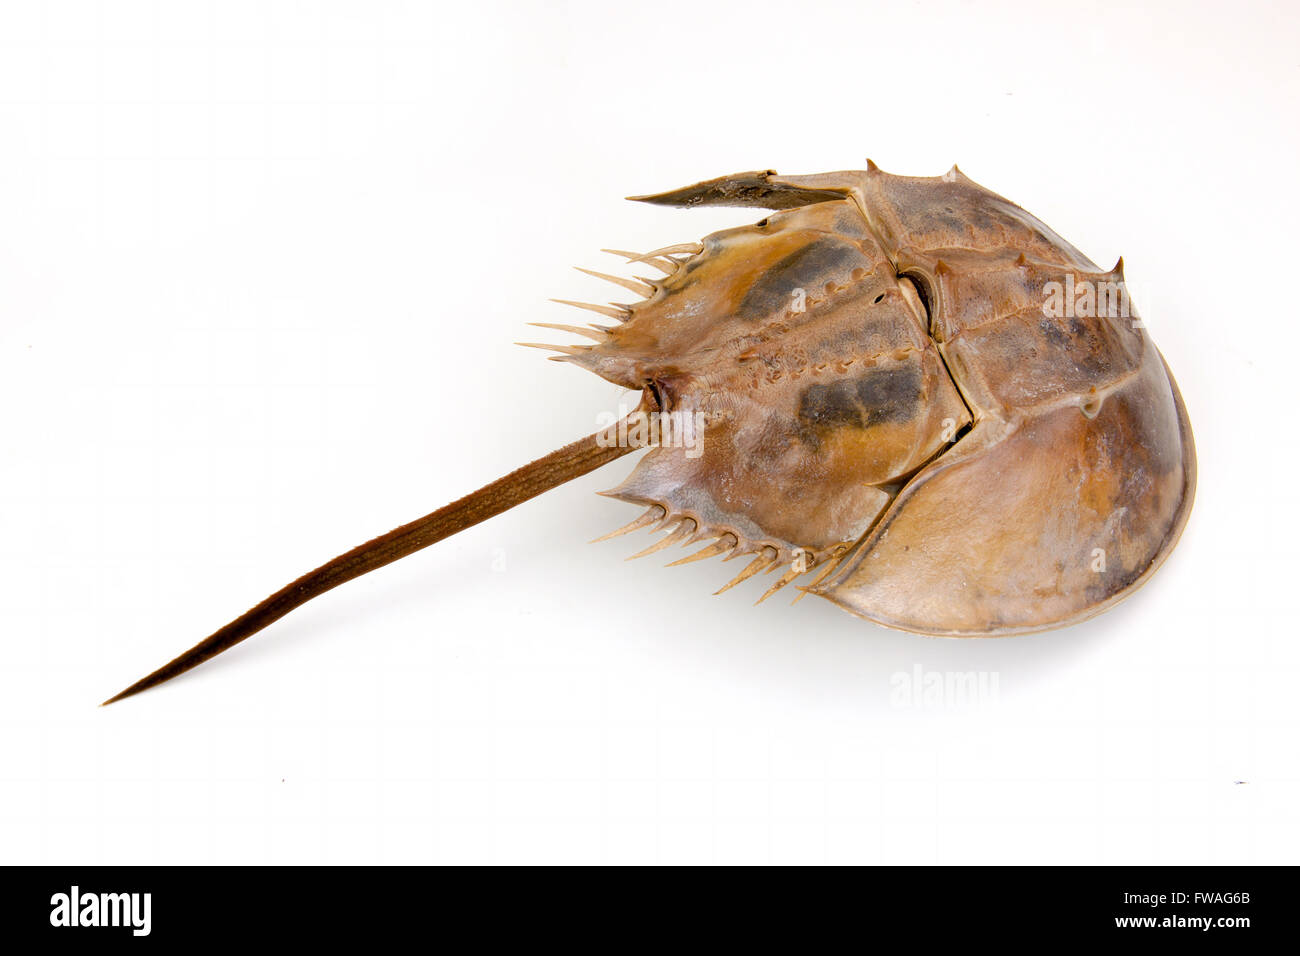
[914,386]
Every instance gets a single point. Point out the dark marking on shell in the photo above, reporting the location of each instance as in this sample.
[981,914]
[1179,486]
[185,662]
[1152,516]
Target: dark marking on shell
[808,267]
[888,394]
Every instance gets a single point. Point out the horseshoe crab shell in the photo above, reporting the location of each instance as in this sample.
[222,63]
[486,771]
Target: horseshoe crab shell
[919,384]
[910,383]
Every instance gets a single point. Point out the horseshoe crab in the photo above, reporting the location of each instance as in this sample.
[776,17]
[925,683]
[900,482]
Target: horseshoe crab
[908,384]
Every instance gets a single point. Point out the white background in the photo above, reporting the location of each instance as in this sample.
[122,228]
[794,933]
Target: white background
[261,266]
